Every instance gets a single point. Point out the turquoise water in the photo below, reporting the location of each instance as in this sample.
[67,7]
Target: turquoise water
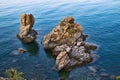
[100,20]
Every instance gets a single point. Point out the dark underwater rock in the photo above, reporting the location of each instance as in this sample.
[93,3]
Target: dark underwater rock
[67,43]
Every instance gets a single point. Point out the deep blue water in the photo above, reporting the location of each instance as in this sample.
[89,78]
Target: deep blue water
[100,20]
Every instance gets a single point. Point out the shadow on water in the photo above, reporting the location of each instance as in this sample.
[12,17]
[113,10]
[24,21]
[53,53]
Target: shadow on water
[32,48]
[49,54]
[63,75]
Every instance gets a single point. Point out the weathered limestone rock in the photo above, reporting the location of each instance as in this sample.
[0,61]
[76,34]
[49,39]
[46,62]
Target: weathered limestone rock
[27,34]
[67,43]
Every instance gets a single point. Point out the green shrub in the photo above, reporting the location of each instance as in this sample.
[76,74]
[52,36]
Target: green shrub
[62,23]
[117,77]
[13,74]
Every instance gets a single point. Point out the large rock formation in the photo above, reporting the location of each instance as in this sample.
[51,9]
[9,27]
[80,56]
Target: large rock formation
[67,43]
[27,34]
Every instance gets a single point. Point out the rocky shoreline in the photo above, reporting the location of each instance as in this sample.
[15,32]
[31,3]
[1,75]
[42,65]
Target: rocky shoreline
[67,43]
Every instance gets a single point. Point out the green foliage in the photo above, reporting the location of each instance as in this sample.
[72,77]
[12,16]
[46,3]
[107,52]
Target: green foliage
[72,30]
[13,74]
[117,77]
[62,23]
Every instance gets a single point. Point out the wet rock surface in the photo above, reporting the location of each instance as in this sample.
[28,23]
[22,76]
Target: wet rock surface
[67,43]
[27,34]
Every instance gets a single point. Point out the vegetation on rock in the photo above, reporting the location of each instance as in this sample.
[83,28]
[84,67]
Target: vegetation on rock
[117,77]
[67,43]
[13,74]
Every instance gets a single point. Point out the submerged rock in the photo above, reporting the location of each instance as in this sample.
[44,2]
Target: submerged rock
[21,50]
[27,34]
[18,51]
[92,68]
[67,43]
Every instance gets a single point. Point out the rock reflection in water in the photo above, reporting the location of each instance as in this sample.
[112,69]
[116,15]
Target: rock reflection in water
[63,75]
[32,48]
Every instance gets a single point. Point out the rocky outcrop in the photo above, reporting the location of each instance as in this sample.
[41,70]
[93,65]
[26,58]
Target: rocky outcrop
[27,34]
[67,43]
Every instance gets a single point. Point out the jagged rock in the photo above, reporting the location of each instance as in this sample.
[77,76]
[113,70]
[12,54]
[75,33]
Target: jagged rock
[62,60]
[66,42]
[90,47]
[27,34]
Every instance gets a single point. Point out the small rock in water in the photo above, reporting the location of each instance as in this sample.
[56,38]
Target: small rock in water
[21,50]
[92,68]
[26,33]
[103,74]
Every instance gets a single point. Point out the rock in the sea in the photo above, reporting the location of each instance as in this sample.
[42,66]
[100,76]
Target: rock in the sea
[67,43]
[27,34]
[21,50]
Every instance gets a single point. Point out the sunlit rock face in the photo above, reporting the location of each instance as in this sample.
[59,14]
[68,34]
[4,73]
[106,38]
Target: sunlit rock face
[67,43]
[27,34]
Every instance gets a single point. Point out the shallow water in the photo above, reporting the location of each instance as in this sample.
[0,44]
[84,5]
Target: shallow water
[100,20]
